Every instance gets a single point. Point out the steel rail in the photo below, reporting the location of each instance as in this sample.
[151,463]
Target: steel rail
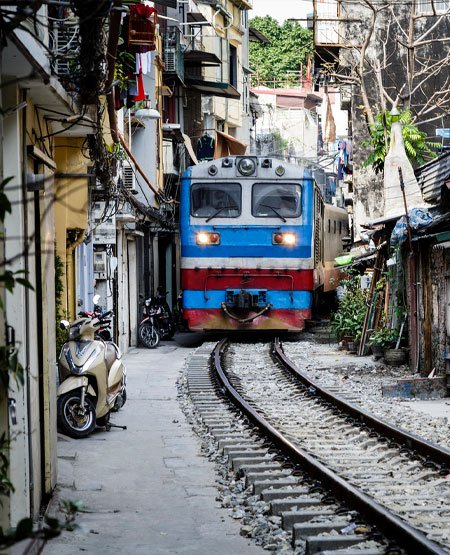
[392,526]
[435,452]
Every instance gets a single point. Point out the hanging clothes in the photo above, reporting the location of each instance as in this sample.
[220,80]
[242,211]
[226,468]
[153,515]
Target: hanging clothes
[205,148]
[140,95]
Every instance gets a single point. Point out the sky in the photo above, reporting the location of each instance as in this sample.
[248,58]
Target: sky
[282,9]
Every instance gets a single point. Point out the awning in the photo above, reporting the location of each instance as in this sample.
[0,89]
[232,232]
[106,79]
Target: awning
[213,88]
[227,145]
[188,144]
[173,131]
[255,35]
[168,3]
[200,58]
[196,17]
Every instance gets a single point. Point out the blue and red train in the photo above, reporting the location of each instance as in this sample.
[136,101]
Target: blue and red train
[257,244]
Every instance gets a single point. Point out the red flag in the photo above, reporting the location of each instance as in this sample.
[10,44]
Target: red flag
[308,69]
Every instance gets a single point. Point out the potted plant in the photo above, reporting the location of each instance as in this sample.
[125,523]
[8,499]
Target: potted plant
[379,340]
[346,323]
[386,339]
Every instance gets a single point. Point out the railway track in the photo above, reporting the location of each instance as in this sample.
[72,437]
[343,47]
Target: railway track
[337,477]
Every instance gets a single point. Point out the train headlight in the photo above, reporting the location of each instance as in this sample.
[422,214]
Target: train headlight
[206,238]
[288,239]
[246,166]
[279,170]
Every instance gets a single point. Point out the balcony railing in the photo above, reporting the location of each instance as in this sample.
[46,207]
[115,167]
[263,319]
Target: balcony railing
[173,53]
[64,42]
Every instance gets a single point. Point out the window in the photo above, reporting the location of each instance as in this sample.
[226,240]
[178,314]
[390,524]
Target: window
[244,19]
[334,226]
[209,200]
[273,200]
[340,228]
[426,6]
[233,66]
[329,226]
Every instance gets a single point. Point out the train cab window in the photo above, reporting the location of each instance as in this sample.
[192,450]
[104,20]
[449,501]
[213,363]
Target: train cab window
[272,200]
[221,200]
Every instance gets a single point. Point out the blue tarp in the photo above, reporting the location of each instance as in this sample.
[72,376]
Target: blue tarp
[418,219]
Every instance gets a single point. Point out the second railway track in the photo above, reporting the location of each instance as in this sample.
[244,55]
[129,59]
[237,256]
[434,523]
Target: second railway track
[320,469]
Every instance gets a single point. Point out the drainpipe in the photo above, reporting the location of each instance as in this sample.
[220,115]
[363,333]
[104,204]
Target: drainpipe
[70,278]
[25,231]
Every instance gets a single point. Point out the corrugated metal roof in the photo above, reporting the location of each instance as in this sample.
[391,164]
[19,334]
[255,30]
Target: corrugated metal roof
[432,176]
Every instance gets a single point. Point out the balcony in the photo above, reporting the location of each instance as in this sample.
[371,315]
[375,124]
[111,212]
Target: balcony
[195,55]
[173,56]
[64,43]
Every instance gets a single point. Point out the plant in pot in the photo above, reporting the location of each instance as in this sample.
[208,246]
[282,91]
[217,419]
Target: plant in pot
[386,339]
[346,323]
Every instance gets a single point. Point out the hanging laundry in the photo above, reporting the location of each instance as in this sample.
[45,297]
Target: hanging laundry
[140,82]
[205,148]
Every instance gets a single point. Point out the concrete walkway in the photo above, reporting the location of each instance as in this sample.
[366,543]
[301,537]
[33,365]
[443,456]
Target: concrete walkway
[148,490]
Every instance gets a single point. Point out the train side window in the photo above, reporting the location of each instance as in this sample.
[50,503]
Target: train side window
[334,226]
[276,200]
[221,200]
[329,226]
[340,228]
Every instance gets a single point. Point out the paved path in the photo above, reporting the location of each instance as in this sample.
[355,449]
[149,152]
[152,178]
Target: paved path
[148,489]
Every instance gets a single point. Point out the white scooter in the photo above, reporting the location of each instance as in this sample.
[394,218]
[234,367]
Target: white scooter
[92,378]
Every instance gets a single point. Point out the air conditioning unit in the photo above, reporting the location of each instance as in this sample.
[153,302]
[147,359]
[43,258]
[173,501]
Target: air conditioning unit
[128,176]
[170,59]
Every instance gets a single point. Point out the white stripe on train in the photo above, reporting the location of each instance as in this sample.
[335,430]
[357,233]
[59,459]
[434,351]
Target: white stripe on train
[248,263]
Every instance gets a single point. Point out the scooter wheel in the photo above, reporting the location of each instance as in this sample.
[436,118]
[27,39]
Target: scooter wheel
[149,336]
[72,420]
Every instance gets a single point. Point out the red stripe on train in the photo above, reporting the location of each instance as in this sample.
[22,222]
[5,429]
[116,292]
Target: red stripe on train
[285,280]
[217,320]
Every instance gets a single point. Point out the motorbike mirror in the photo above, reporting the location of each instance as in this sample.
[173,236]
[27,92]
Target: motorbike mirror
[64,324]
[96,299]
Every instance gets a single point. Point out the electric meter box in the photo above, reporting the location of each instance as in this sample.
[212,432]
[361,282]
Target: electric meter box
[100,261]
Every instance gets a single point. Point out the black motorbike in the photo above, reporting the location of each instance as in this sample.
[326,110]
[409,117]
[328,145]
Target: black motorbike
[158,322]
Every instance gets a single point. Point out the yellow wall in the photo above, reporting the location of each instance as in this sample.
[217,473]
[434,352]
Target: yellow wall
[227,109]
[71,200]
[159,65]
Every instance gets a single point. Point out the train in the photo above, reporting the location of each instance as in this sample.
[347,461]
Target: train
[258,244]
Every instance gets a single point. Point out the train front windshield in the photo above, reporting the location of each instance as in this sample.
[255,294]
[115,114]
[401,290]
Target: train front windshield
[210,199]
[272,198]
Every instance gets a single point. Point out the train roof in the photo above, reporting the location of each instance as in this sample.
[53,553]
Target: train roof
[229,167]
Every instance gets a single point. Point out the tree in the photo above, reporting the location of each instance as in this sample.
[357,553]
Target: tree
[290,44]
[397,54]
[416,144]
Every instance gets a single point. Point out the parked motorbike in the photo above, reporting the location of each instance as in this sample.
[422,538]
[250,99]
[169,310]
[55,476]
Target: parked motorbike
[158,322]
[92,377]
[101,333]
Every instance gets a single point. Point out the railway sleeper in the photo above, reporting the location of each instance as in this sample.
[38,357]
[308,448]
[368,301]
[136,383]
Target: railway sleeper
[289,518]
[260,485]
[323,543]
[247,457]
